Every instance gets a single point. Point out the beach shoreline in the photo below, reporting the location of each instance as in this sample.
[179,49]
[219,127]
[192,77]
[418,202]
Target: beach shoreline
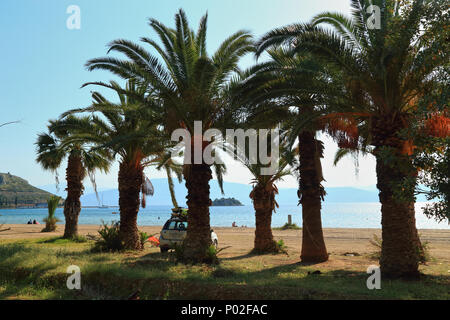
[239,240]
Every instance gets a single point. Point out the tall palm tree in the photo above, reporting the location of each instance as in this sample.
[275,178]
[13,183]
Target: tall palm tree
[55,146]
[288,90]
[263,196]
[387,70]
[130,130]
[191,85]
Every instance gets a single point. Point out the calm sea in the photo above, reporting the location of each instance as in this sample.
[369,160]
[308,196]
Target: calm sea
[334,215]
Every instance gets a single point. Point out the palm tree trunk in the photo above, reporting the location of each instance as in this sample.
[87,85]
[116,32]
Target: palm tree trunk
[72,206]
[130,182]
[311,194]
[198,238]
[171,188]
[263,203]
[401,248]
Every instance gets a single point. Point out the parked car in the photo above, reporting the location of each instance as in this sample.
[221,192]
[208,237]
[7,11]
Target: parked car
[174,232]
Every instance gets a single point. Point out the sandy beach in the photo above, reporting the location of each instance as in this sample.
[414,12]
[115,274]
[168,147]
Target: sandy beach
[238,241]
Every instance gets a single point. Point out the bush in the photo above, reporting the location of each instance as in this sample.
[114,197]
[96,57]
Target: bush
[144,237]
[289,226]
[376,243]
[274,248]
[51,220]
[211,255]
[109,238]
[424,251]
[281,246]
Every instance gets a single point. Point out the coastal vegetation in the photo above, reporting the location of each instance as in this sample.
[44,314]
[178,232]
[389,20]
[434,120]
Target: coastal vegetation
[51,220]
[378,91]
[54,146]
[382,76]
[289,226]
[190,86]
[112,275]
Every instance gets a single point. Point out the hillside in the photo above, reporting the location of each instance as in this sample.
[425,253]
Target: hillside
[232,190]
[17,192]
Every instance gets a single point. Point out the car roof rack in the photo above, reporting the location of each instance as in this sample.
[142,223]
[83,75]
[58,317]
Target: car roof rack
[180,213]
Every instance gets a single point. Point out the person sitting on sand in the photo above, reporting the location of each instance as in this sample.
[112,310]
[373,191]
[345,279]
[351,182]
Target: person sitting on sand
[234,225]
[29,222]
[35,222]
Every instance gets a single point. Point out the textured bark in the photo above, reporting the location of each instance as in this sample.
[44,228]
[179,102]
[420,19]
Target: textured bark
[173,197]
[401,248]
[263,204]
[198,238]
[72,206]
[311,193]
[130,182]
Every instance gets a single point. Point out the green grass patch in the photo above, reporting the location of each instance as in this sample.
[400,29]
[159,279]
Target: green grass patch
[36,269]
[63,241]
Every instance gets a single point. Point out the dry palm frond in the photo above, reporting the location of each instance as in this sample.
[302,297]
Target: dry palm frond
[438,125]
[343,128]
[147,189]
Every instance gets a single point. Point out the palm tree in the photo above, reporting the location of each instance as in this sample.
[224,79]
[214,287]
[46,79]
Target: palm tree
[164,161]
[51,220]
[53,147]
[386,70]
[130,130]
[279,91]
[191,86]
[263,197]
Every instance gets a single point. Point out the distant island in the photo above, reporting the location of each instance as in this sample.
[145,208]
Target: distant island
[16,192]
[226,202]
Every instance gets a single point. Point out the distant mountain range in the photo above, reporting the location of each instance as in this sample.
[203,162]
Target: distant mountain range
[232,190]
[16,192]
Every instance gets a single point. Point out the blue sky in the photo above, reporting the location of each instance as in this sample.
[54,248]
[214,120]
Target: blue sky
[42,65]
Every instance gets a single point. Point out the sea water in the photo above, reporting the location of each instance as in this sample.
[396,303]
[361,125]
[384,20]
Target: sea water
[334,215]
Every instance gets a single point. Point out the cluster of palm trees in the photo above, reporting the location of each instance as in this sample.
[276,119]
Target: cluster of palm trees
[334,75]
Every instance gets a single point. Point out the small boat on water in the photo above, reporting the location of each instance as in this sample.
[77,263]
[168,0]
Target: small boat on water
[103,206]
[115,212]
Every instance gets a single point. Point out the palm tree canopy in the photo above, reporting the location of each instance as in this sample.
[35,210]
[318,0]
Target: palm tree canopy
[190,83]
[129,128]
[57,144]
[292,89]
[387,70]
